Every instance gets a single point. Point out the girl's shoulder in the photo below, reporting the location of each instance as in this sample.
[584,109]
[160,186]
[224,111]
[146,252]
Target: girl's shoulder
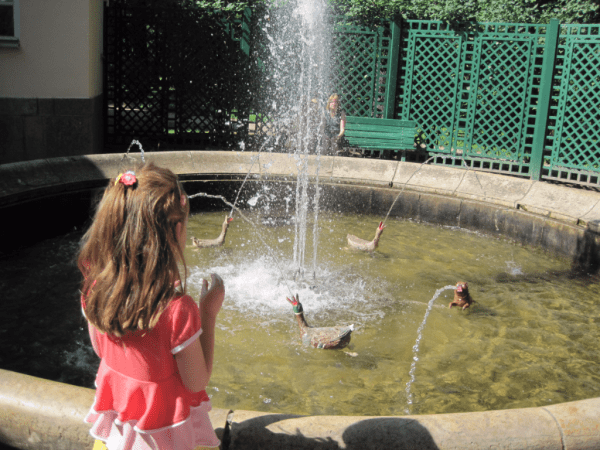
[180,322]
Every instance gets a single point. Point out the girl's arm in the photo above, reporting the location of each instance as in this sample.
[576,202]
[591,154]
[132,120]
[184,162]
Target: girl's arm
[195,362]
[192,367]
[94,339]
[342,124]
[91,331]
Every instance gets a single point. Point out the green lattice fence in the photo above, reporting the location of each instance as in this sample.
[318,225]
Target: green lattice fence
[365,67]
[521,99]
[474,91]
[172,76]
[573,144]
[431,82]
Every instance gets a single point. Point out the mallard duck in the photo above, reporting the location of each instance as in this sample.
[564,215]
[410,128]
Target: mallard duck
[206,243]
[320,337]
[361,244]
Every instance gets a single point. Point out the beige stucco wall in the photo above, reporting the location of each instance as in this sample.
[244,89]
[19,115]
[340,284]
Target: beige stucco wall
[95,18]
[60,51]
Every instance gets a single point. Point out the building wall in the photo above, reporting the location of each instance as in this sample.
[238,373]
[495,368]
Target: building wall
[51,86]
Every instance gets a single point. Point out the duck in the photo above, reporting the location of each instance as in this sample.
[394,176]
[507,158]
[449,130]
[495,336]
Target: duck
[320,337]
[462,298]
[368,246]
[207,243]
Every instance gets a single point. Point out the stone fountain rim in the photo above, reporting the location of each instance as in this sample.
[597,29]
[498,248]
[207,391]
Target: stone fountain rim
[36,411]
[24,181]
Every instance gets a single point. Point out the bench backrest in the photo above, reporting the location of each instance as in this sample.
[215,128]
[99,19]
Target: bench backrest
[383,134]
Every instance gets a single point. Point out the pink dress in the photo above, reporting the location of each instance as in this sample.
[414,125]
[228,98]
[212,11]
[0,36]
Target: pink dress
[141,402]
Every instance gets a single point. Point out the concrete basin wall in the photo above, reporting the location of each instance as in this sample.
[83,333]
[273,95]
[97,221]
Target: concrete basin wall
[41,414]
[558,218]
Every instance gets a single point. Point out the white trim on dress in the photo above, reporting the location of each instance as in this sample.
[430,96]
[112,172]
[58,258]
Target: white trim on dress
[186,343]
[206,405]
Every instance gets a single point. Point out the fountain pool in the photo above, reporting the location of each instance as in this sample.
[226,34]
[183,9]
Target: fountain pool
[529,340]
[461,356]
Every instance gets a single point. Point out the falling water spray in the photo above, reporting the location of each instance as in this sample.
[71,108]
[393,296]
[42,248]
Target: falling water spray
[413,366]
[297,64]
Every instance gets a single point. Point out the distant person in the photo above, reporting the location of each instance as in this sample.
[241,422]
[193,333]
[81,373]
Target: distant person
[334,126]
[155,344]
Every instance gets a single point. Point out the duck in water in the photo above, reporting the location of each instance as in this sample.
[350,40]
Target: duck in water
[368,246]
[320,337]
[207,243]
[462,298]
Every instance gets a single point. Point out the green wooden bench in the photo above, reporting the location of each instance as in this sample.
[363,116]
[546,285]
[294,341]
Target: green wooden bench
[371,135]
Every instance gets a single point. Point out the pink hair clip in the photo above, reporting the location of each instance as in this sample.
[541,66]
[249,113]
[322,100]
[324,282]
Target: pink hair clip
[128,178]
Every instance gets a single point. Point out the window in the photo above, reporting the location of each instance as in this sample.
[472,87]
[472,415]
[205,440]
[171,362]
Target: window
[9,23]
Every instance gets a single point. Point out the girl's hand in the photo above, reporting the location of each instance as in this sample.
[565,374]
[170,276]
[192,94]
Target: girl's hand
[211,299]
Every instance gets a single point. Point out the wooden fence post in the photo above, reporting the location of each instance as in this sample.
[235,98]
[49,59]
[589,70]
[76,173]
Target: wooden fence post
[541,118]
[393,52]
[245,37]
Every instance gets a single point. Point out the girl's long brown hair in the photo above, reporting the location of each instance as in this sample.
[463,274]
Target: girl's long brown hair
[130,255]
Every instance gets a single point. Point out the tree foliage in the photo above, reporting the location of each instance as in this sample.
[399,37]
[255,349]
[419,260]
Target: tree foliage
[513,11]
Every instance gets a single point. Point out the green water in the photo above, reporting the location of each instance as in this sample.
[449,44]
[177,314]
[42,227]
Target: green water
[530,340]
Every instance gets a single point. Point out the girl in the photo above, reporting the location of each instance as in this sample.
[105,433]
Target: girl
[155,344]
[335,125]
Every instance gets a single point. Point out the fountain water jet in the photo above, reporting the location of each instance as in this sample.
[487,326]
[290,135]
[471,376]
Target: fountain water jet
[413,366]
[298,79]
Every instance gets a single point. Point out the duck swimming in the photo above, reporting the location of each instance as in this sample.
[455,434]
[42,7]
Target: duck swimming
[320,337]
[368,246]
[207,243]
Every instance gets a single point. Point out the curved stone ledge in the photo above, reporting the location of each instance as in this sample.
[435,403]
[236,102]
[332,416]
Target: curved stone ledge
[41,414]
[36,413]
[25,180]
[558,218]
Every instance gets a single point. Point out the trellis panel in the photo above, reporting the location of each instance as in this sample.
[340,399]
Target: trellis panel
[574,142]
[164,76]
[473,90]
[431,86]
[497,111]
[365,67]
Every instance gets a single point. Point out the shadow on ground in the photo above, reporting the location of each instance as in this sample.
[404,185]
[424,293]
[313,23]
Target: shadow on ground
[294,432]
